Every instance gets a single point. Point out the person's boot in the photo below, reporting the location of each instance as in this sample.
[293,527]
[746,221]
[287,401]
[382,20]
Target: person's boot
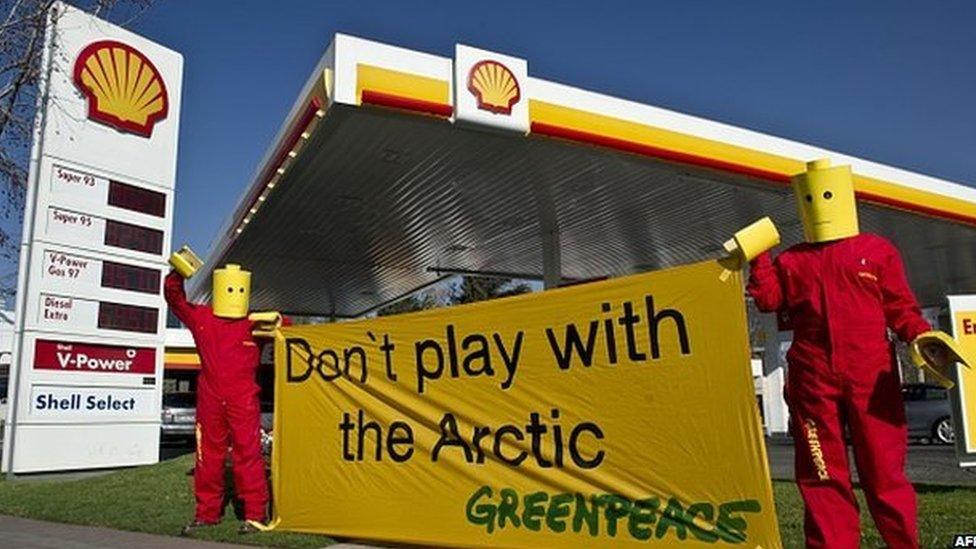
[250,527]
[194,526]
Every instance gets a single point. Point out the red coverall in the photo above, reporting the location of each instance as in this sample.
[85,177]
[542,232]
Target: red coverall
[228,412]
[839,298]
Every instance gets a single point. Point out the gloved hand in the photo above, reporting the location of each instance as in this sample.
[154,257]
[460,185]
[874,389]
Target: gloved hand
[185,262]
[753,240]
[265,323]
[937,353]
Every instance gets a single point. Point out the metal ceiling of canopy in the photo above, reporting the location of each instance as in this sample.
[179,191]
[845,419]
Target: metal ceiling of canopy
[380,203]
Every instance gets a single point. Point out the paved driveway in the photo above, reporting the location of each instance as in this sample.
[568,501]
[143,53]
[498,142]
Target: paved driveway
[36,534]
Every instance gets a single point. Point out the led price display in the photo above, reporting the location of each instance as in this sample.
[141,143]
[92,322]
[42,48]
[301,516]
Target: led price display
[136,199]
[129,318]
[129,277]
[133,237]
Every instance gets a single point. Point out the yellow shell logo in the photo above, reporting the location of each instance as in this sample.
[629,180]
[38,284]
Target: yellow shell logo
[123,87]
[494,86]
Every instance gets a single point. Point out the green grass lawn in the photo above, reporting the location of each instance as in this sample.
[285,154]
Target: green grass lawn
[942,512]
[158,499]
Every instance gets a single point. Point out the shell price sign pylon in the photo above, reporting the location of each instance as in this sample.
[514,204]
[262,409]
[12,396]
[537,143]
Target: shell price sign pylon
[87,368]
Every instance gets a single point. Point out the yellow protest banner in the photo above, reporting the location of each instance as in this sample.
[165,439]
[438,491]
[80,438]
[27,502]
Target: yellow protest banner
[620,412]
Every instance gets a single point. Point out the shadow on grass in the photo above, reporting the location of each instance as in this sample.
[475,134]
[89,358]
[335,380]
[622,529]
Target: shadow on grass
[944,489]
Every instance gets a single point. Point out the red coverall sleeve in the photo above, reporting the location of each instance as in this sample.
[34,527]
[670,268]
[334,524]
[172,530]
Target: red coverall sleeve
[176,298]
[901,310]
[764,283]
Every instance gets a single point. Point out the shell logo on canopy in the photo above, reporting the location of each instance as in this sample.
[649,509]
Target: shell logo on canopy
[494,86]
[123,87]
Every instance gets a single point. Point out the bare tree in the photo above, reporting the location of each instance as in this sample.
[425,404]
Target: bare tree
[417,302]
[21,45]
[472,288]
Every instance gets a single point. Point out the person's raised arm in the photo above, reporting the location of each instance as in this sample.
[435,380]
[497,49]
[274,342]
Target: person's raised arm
[764,283]
[752,243]
[176,298]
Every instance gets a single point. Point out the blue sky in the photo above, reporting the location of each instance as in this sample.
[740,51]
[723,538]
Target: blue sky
[893,82]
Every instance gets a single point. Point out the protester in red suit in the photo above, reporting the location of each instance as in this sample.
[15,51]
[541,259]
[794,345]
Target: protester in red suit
[228,412]
[841,291]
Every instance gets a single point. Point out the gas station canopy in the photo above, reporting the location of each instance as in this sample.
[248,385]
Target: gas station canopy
[396,169]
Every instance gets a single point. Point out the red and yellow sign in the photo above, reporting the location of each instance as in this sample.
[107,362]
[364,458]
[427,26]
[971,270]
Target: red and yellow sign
[964,329]
[494,86]
[123,87]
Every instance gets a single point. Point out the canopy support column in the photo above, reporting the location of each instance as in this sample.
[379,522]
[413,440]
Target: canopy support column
[551,259]
[774,378]
[552,265]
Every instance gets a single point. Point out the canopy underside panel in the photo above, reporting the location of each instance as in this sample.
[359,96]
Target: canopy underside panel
[378,200]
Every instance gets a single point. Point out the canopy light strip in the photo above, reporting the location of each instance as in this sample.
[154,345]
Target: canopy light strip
[297,139]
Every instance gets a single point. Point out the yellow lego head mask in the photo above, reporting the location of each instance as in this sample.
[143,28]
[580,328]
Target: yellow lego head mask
[231,291]
[825,199]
